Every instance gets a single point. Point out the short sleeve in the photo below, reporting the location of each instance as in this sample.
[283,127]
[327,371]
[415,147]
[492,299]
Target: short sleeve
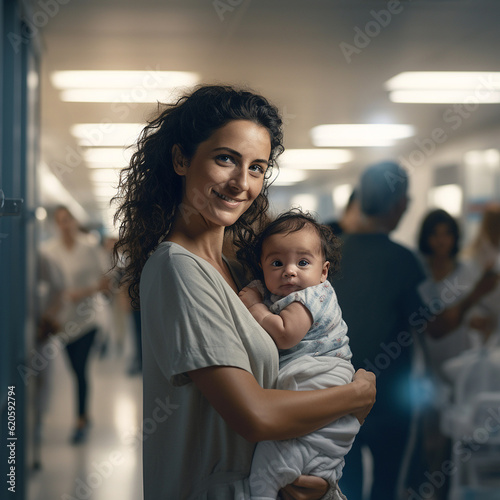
[187,318]
[315,298]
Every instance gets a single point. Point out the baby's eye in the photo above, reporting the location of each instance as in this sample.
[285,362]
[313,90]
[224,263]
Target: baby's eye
[276,263]
[303,263]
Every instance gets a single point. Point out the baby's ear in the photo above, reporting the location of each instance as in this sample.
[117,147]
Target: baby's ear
[179,161]
[324,272]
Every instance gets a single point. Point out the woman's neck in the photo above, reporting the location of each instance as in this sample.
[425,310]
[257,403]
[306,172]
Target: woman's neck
[205,242]
[441,266]
[68,240]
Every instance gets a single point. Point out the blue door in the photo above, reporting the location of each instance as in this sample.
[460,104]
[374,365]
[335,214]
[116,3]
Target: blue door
[19,60]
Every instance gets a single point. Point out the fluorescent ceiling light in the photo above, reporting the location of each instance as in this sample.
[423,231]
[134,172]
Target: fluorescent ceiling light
[307,202]
[107,157]
[448,197]
[314,159]
[287,177]
[341,194]
[122,86]
[103,191]
[118,95]
[445,87]
[122,79]
[359,135]
[483,157]
[444,96]
[105,175]
[444,80]
[106,134]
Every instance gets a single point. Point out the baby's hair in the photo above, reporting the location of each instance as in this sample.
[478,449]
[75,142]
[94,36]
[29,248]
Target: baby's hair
[289,222]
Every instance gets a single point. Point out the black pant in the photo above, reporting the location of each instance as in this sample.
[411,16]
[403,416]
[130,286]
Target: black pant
[78,353]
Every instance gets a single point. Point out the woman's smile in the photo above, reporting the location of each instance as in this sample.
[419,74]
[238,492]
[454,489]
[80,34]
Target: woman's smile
[231,201]
[226,173]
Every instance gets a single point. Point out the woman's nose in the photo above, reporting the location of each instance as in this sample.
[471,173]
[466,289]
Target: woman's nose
[240,180]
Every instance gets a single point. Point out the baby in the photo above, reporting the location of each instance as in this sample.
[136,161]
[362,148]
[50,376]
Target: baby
[299,310]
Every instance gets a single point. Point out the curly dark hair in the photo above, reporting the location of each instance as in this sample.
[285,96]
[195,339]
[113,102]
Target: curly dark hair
[150,191]
[433,219]
[285,223]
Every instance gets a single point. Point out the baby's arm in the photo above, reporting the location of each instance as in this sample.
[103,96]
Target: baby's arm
[287,328]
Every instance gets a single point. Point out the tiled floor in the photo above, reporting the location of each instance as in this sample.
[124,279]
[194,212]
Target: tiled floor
[108,465]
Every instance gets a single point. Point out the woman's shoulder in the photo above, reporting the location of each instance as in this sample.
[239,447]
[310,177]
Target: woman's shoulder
[172,256]
[173,264]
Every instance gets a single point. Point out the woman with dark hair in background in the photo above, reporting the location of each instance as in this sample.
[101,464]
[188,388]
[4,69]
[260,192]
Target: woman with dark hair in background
[201,174]
[449,279]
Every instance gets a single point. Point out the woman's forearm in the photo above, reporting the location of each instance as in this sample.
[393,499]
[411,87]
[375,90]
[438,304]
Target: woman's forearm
[451,318]
[262,414]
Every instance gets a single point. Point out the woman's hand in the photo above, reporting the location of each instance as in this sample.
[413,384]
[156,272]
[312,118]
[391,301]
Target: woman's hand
[305,488]
[366,383]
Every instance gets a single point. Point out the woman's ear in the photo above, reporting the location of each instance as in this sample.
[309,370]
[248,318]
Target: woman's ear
[324,272]
[179,160]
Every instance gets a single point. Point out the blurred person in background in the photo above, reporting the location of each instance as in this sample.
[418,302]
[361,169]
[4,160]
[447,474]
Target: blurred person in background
[49,300]
[439,245]
[377,288]
[350,217]
[484,253]
[83,268]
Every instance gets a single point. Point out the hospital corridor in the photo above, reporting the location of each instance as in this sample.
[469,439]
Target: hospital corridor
[107,464]
[160,159]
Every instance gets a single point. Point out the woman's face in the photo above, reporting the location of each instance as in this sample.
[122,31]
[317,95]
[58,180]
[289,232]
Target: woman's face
[441,240]
[225,174]
[65,222]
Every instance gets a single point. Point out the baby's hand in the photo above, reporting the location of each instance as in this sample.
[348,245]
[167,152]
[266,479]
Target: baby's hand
[250,296]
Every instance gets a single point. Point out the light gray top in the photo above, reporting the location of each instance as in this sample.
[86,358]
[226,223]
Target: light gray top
[191,319]
[82,266]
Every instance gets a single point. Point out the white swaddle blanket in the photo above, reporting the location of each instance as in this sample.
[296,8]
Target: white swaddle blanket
[321,453]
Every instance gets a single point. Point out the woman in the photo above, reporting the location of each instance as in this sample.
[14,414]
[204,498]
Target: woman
[484,253]
[449,280]
[83,267]
[200,173]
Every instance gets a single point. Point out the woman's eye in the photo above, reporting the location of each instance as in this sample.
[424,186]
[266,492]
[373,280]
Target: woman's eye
[276,263]
[257,168]
[225,158]
[303,263]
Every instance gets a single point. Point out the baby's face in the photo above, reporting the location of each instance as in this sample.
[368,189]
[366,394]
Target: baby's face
[293,261]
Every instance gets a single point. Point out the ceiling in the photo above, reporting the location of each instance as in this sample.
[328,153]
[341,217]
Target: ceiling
[292,51]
